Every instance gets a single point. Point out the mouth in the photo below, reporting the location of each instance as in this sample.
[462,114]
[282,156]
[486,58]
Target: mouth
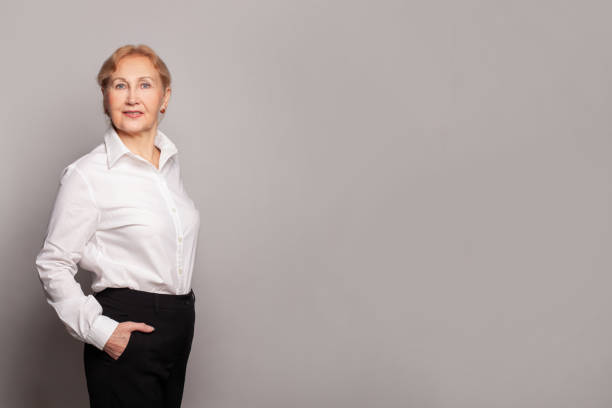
[133,113]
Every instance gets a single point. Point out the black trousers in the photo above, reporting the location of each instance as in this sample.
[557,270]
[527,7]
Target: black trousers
[151,370]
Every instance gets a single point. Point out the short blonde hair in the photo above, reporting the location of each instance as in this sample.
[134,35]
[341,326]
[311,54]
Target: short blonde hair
[110,65]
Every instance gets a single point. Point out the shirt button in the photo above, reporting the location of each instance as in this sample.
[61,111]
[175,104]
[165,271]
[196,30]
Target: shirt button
[180,270]
[174,210]
[180,239]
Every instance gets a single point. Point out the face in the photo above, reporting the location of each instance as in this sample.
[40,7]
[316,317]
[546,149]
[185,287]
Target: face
[135,95]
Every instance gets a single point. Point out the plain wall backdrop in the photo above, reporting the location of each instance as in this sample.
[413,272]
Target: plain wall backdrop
[403,203]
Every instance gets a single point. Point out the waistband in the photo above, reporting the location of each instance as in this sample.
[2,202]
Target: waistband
[139,298]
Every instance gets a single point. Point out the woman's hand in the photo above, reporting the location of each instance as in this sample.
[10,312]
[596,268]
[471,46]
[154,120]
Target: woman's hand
[120,338]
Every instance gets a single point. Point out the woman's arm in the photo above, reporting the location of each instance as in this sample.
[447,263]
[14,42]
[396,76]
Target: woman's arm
[73,222]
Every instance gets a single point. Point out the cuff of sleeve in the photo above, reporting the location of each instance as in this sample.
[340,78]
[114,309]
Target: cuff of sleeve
[101,330]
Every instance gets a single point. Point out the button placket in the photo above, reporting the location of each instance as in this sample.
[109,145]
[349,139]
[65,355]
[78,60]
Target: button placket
[176,220]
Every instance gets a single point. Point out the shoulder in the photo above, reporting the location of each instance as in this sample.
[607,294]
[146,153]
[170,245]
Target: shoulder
[87,164]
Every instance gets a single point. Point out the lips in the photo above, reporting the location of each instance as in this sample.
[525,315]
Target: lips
[133,114]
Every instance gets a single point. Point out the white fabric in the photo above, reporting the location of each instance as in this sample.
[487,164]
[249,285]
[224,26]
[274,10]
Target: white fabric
[128,223]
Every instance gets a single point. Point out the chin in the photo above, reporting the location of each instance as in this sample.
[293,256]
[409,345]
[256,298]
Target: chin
[133,127]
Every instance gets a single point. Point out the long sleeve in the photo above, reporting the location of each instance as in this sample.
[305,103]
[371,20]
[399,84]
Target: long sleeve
[73,222]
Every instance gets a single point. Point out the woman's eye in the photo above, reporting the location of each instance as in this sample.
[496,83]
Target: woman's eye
[146,85]
[119,86]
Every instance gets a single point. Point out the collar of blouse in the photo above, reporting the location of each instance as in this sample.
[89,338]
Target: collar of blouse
[115,148]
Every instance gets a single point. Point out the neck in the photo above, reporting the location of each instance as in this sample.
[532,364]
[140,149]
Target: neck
[140,143]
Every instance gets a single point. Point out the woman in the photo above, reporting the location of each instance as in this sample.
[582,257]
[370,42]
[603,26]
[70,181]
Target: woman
[121,212]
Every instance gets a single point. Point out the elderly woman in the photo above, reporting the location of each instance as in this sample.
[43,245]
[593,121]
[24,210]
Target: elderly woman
[121,212]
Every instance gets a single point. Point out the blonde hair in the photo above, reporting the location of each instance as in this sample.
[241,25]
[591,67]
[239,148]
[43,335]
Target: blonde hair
[110,65]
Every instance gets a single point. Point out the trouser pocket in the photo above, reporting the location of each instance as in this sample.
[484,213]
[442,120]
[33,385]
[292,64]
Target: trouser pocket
[135,345]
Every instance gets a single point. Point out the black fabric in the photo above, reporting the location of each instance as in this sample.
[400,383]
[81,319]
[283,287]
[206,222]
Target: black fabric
[151,370]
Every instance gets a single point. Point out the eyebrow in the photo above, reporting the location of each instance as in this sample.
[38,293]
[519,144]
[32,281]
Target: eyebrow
[142,77]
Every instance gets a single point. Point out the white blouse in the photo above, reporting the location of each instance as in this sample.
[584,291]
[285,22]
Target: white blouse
[127,222]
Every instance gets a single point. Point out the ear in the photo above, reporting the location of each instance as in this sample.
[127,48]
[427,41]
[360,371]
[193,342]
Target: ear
[166,97]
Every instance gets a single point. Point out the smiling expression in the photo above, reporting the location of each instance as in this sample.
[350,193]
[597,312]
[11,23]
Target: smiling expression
[135,95]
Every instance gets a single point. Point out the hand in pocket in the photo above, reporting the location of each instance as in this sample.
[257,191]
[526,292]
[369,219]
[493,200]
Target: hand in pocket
[118,341]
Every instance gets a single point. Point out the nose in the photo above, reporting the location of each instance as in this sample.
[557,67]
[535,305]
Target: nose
[131,98]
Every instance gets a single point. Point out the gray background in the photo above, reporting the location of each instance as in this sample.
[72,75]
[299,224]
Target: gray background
[404,204]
